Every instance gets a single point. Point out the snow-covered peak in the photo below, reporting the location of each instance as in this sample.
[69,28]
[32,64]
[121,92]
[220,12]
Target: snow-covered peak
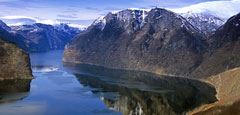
[205,22]
[129,17]
[67,28]
[100,22]
[222,9]
[205,17]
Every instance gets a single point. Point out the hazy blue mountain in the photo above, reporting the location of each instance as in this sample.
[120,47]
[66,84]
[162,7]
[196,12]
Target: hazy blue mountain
[42,37]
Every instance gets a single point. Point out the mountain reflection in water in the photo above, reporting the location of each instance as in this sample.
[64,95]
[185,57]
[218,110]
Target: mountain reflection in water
[143,93]
[56,91]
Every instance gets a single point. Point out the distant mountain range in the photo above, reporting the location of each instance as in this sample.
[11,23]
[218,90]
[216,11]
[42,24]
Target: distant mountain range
[41,37]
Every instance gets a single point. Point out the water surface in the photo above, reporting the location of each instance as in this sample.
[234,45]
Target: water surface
[90,90]
[53,92]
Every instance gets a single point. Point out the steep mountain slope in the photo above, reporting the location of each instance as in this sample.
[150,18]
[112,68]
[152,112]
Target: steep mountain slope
[14,62]
[224,49]
[205,22]
[158,41]
[41,37]
[4,26]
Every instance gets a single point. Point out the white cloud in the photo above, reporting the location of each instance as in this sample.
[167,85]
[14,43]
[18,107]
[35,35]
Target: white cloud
[22,21]
[18,17]
[223,9]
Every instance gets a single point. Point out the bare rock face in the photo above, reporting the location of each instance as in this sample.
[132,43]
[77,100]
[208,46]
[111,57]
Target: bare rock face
[14,62]
[158,41]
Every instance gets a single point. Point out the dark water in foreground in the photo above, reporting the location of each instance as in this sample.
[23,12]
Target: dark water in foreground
[91,90]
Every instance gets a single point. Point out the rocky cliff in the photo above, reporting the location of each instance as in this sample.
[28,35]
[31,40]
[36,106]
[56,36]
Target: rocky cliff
[158,41]
[14,62]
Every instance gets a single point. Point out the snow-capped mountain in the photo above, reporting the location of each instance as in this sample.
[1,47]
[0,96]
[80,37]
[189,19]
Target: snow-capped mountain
[209,16]
[205,22]
[137,39]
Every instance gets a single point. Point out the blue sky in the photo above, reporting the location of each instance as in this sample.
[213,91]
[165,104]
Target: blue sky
[80,11]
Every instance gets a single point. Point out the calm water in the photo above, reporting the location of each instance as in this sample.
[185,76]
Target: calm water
[89,90]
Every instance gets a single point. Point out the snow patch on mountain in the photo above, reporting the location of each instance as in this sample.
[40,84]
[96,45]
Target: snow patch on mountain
[65,28]
[134,16]
[206,23]
[222,9]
